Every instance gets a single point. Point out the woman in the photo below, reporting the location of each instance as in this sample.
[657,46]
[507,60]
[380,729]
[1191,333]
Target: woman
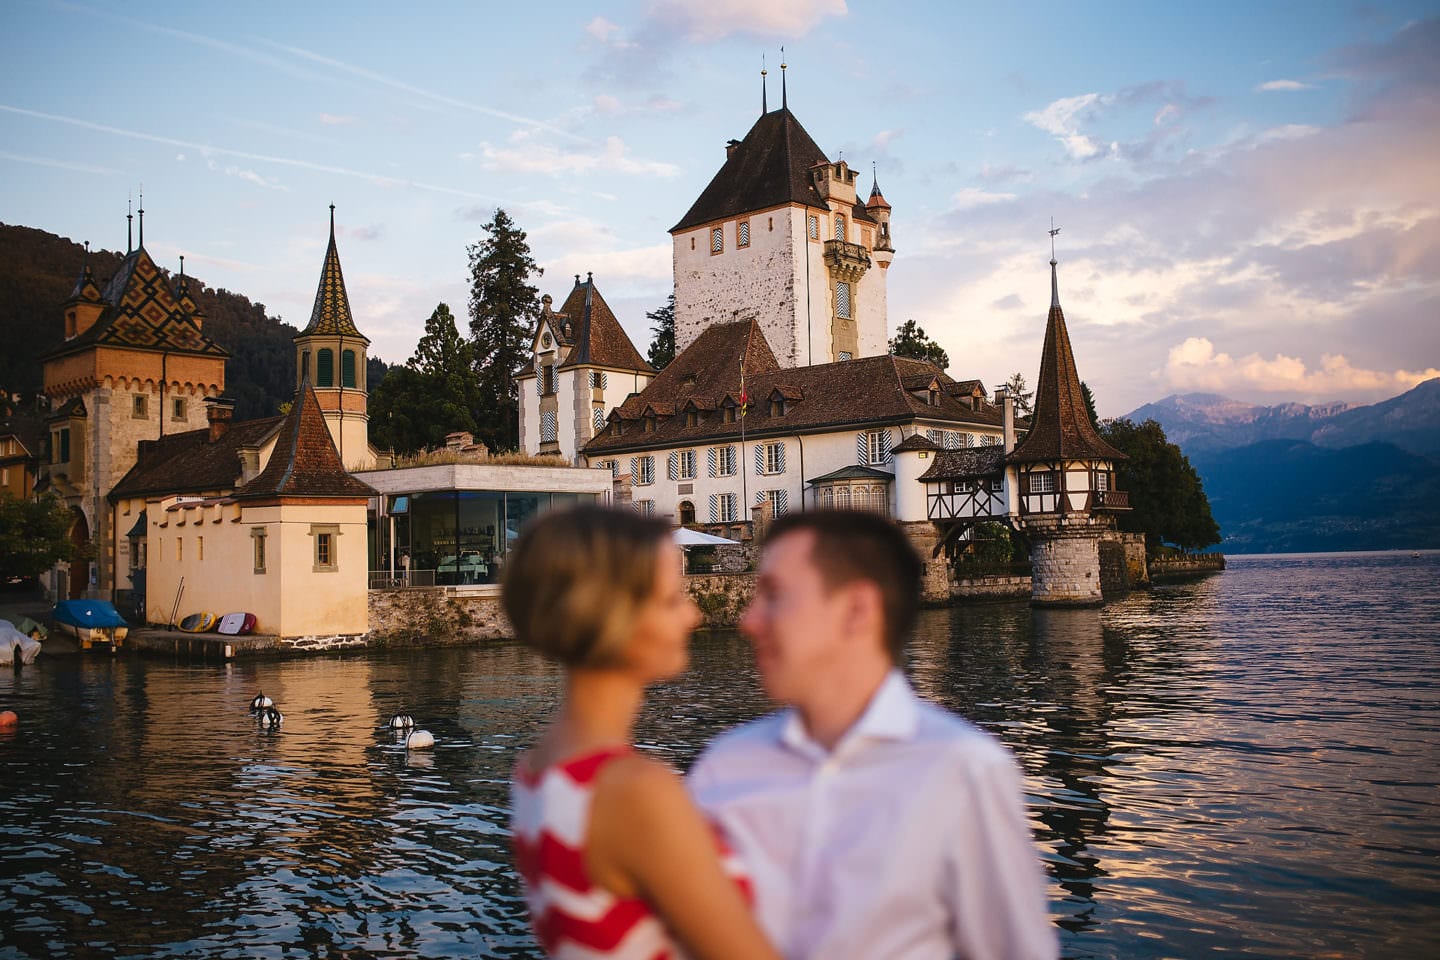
[617,861]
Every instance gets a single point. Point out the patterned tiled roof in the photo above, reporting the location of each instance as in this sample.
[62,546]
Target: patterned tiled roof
[1059,424]
[331,314]
[142,312]
[191,462]
[870,391]
[305,462]
[958,464]
[598,338]
[769,168]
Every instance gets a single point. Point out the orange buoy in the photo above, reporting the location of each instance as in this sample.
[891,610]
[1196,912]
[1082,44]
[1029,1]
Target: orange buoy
[8,719]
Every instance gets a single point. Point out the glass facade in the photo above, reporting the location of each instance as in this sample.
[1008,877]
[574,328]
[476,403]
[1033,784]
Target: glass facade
[454,537]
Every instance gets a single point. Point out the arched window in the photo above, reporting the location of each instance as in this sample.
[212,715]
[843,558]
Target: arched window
[687,512]
[347,369]
[325,368]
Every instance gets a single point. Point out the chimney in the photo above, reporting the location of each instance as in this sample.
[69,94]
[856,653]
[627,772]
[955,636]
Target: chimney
[218,412]
[1007,406]
[730,147]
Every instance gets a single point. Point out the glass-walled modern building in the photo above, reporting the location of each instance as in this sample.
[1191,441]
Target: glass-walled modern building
[452,525]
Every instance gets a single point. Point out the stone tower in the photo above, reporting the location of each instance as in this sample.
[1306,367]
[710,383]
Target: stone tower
[780,235]
[331,353]
[1064,477]
[134,365]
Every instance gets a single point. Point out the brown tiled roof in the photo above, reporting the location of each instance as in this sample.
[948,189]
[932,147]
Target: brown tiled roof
[865,392]
[599,340]
[28,429]
[854,472]
[331,313]
[191,462]
[915,441]
[141,312]
[769,168]
[305,462]
[974,462]
[1059,423]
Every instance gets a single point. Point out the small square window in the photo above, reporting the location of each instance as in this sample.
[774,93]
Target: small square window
[177,408]
[742,234]
[326,540]
[717,239]
[140,406]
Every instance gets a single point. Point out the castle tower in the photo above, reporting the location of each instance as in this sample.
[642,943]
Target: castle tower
[134,365]
[1064,478]
[779,235]
[330,353]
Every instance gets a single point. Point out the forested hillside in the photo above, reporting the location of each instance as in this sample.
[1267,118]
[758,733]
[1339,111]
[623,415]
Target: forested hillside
[37,273]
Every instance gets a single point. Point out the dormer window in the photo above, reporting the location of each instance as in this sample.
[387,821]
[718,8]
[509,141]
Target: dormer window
[692,418]
[649,425]
[727,414]
[777,407]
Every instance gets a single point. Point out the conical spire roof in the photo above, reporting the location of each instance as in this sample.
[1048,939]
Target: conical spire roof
[1059,423]
[305,462]
[331,315]
[598,337]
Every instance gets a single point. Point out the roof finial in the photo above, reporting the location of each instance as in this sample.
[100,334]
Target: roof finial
[1054,281]
[182,266]
[142,216]
[764,91]
[87,249]
[577,279]
[332,223]
[129,225]
[784,99]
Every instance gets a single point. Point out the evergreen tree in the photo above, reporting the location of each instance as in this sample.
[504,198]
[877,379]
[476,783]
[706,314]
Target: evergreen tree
[1168,502]
[1089,404]
[1022,395]
[911,341]
[434,394]
[662,344]
[504,308]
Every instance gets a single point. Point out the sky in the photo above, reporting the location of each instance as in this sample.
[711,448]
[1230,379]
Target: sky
[1248,194]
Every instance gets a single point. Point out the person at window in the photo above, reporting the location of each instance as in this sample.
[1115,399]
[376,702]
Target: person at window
[615,859]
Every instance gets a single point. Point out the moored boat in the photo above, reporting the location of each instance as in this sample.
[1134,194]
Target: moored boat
[92,623]
[16,646]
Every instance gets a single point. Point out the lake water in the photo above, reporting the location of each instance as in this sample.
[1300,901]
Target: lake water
[1244,765]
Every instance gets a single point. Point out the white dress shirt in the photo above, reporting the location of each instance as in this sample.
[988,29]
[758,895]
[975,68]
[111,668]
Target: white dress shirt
[907,841]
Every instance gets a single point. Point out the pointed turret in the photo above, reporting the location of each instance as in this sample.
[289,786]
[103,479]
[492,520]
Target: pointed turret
[305,462]
[1060,427]
[85,304]
[597,337]
[330,354]
[879,211]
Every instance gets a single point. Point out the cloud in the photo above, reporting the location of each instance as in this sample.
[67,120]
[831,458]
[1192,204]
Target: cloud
[57,164]
[969,198]
[335,120]
[1195,365]
[604,103]
[1062,118]
[882,140]
[1271,86]
[366,233]
[249,176]
[717,19]
[542,158]
[601,29]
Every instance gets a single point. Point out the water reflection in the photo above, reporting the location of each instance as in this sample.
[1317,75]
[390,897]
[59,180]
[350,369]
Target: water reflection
[1246,765]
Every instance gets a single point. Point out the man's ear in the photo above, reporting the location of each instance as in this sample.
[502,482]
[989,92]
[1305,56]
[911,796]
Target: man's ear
[864,612]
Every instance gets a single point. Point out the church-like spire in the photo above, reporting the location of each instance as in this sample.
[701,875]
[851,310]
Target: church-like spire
[331,313]
[1060,427]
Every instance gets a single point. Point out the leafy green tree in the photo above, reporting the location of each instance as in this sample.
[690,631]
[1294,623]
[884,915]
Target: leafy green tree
[504,308]
[1022,394]
[911,341]
[1167,500]
[34,535]
[662,344]
[434,394]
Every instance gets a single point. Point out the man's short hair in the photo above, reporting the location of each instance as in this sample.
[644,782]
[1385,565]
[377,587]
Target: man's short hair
[853,545]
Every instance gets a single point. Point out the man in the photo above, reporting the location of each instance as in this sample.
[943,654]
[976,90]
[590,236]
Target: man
[876,825]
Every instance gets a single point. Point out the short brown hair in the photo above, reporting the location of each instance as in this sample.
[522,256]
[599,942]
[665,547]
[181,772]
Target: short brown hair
[853,545]
[576,578]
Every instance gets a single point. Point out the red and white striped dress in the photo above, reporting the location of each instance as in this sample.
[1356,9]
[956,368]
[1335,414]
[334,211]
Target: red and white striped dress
[573,918]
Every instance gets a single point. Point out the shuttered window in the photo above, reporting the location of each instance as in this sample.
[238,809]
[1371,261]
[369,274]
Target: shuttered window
[325,368]
[842,299]
[742,234]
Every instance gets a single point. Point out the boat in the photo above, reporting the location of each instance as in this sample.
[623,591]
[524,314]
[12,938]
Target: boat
[198,622]
[236,624]
[16,647]
[92,623]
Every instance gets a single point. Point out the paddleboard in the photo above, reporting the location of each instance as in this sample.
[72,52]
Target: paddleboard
[234,624]
[198,622]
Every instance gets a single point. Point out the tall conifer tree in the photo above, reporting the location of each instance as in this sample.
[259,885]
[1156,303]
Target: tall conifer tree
[504,308]
[662,347]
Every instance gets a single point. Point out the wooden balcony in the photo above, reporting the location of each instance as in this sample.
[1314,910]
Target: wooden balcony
[1112,500]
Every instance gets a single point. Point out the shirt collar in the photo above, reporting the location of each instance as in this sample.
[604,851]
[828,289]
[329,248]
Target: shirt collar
[892,714]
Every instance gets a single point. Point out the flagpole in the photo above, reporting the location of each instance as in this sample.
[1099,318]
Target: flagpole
[744,476]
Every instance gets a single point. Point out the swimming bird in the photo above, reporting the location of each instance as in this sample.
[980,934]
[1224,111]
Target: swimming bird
[420,740]
[271,717]
[261,702]
[401,721]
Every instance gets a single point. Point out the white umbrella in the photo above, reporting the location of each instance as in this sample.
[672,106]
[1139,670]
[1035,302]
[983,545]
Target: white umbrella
[686,537]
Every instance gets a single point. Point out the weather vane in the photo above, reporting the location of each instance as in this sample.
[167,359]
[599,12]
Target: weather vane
[1053,230]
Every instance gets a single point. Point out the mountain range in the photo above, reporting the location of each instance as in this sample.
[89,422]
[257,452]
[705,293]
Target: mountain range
[1295,478]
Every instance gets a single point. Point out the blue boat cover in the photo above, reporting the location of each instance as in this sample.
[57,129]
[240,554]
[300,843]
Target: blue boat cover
[89,613]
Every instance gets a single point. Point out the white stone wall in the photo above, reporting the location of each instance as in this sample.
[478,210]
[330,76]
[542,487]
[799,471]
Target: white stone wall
[1065,569]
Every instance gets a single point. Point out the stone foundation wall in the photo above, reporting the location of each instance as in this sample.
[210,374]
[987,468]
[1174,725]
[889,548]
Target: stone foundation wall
[436,616]
[935,573]
[1190,566]
[721,597]
[990,588]
[323,643]
[1114,570]
[1065,569]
